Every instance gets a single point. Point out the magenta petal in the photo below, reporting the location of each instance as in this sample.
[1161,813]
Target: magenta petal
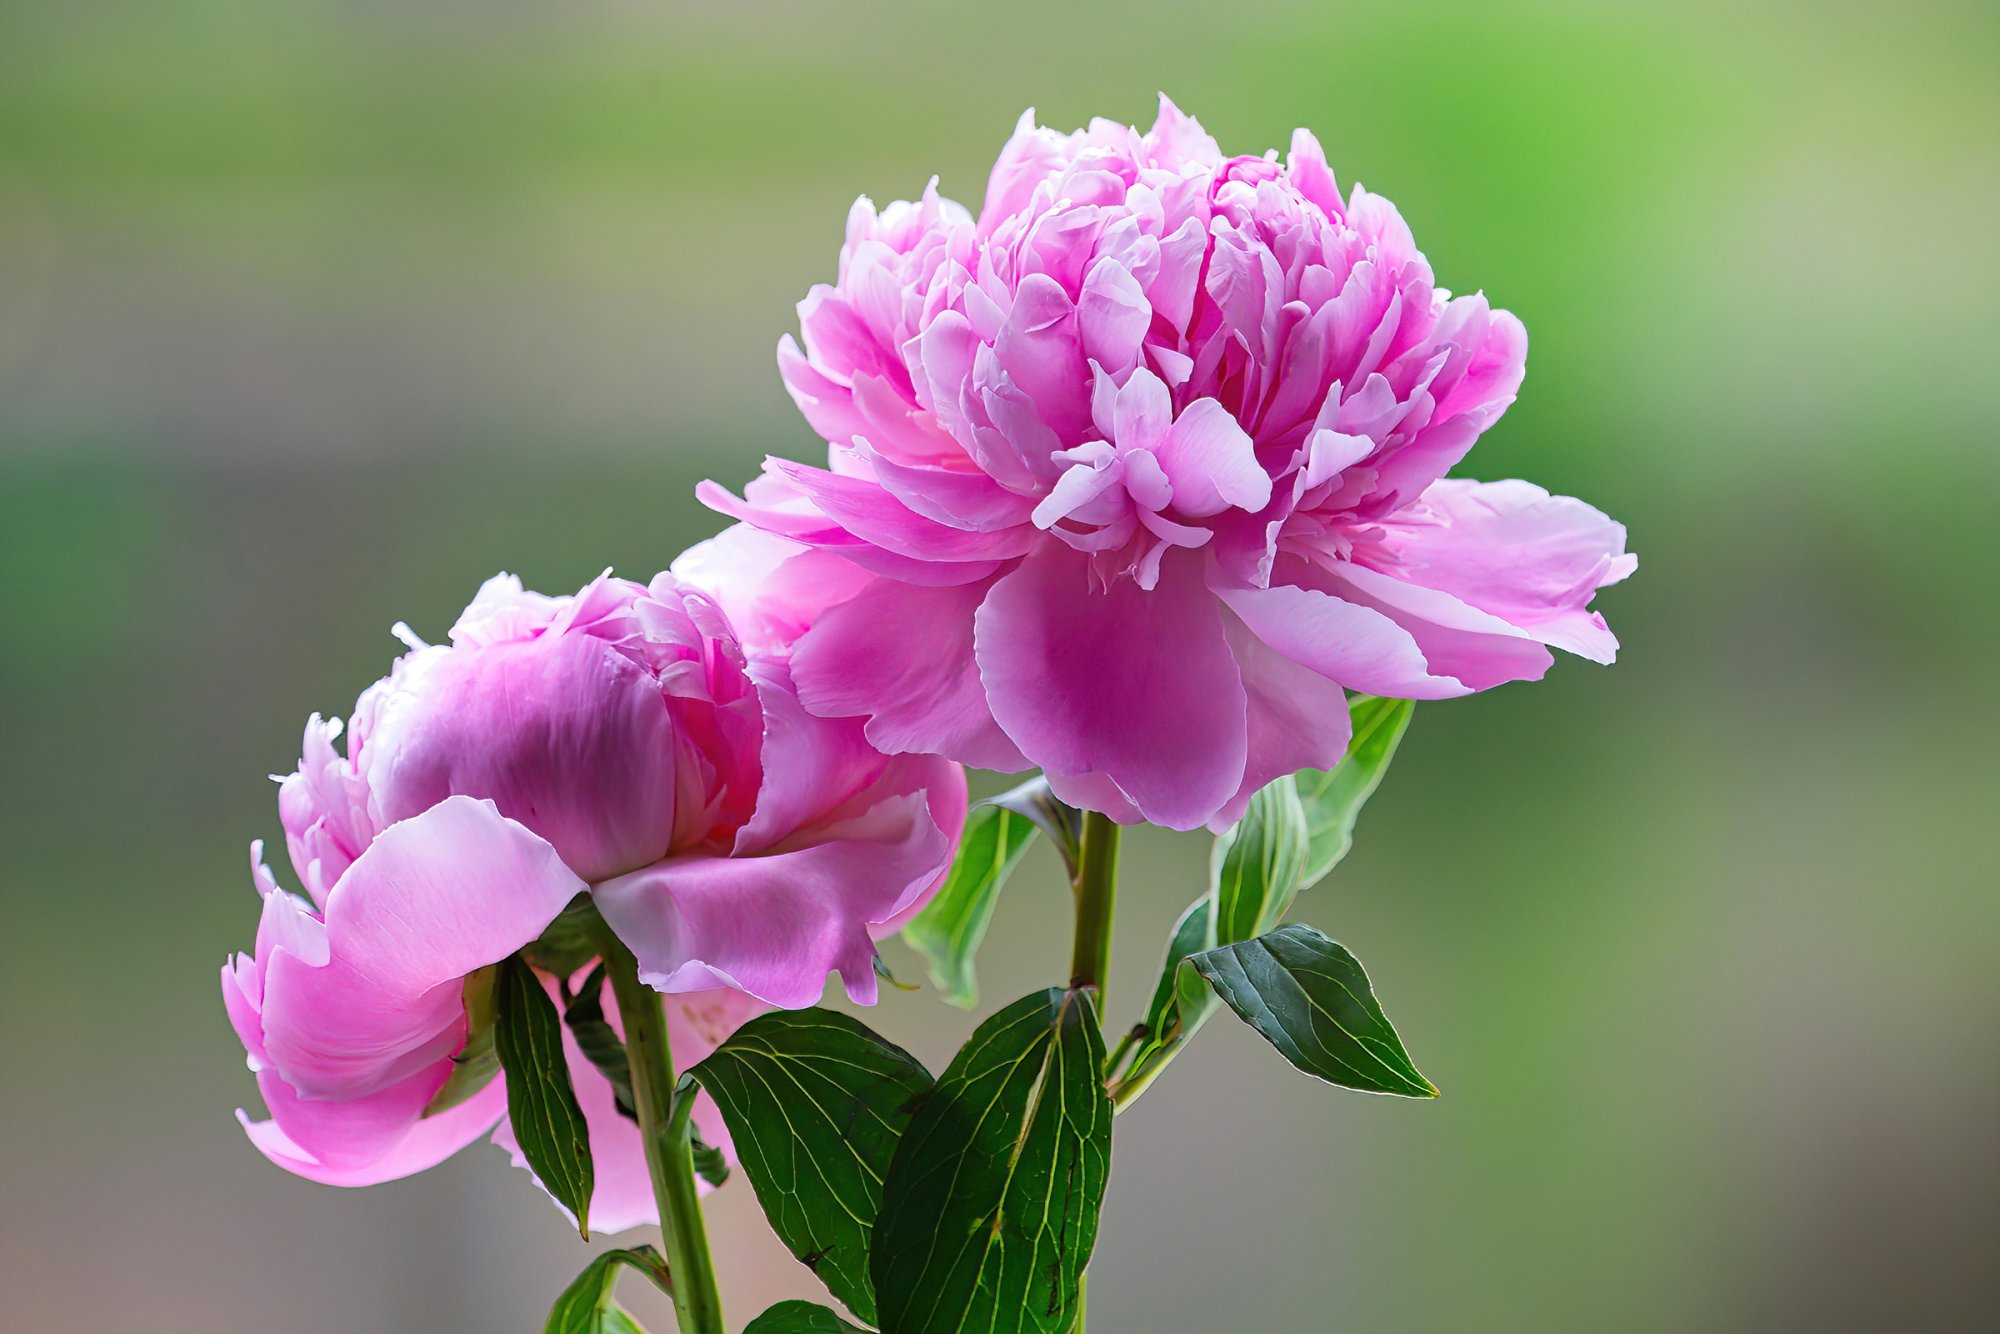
[923,696]
[1138,686]
[775,925]
[1298,719]
[1343,641]
[432,899]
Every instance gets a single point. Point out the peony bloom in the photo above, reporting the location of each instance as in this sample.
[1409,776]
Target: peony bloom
[623,743]
[1146,462]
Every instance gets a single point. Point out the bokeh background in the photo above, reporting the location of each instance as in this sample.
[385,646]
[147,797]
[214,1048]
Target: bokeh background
[314,314]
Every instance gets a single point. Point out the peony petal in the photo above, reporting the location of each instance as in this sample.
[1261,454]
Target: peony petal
[1298,719]
[1138,686]
[1212,463]
[776,925]
[366,1141]
[432,899]
[1513,550]
[1343,641]
[925,695]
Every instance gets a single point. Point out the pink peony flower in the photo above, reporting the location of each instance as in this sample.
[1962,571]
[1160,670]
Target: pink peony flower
[624,743]
[1144,464]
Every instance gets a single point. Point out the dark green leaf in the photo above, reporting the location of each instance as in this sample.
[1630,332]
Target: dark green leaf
[990,1210]
[800,1318]
[569,942]
[1257,867]
[1334,797]
[527,1033]
[599,1041]
[586,1306]
[475,1065]
[1062,822]
[948,931]
[709,1162]
[815,1103]
[1311,1000]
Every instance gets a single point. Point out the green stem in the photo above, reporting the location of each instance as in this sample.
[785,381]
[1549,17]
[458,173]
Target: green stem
[696,1300]
[1096,888]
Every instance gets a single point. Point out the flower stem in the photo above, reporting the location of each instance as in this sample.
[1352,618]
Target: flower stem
[697,1303]
[1096,888]
[1096,885]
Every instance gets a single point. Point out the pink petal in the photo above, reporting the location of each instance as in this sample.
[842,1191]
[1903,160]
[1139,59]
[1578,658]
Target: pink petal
[1138,686]
[1513,550]
[925,696]
[1343,641]
[432,899]
[776,925]
[366,1141]
[1212,463]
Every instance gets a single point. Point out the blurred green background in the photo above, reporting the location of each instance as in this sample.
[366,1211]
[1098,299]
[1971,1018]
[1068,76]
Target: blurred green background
[312,315]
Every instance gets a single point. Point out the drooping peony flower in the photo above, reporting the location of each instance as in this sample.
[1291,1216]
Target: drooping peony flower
[1146,462]
[623,742]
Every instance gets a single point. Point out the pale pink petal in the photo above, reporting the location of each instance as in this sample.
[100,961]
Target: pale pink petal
[1513,550]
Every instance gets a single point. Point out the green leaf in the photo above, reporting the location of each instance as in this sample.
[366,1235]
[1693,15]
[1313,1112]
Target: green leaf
[990,1210]
[1258,866]
[948,931]
[816,1102]
[527,1033]
[599,1041]
[476,1063]
[1311,1000]
[586,1306]
[1334,797]
[800,1318]
[1255,872]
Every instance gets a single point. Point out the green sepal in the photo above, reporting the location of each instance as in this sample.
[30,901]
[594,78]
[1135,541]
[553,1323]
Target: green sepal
[599,1041]
[586,1305]
[1333,798]
[476,1063]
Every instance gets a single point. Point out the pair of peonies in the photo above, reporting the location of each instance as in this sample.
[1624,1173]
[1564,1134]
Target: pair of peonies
[1130,478]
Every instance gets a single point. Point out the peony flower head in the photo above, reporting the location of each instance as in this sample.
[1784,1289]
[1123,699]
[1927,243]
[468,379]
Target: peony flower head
[1147,461]
[623,743]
